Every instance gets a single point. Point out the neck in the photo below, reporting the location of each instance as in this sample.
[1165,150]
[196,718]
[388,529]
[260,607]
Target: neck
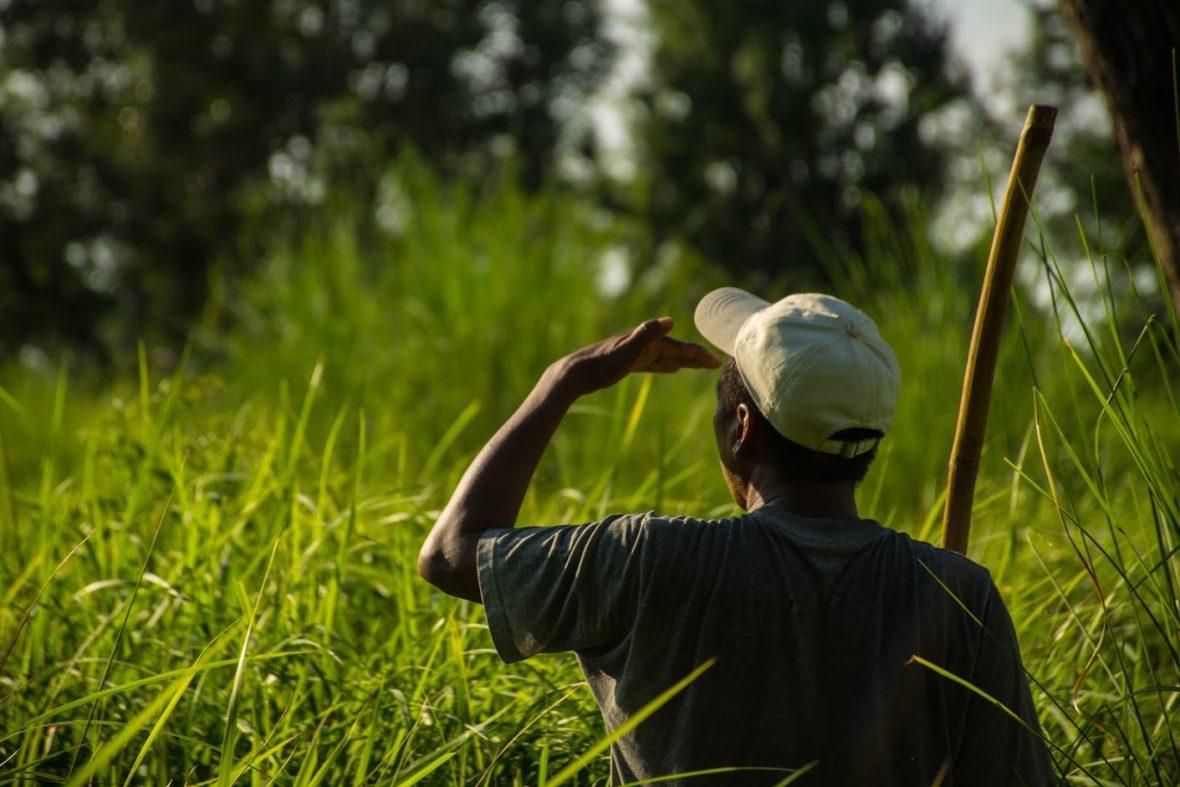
[806,497]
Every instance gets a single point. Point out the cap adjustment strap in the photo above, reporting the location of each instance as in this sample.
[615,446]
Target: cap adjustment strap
[848,448]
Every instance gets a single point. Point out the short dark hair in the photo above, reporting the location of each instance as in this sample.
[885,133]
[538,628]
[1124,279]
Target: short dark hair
[791,456]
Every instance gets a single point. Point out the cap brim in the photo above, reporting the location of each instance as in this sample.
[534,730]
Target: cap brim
[722,313]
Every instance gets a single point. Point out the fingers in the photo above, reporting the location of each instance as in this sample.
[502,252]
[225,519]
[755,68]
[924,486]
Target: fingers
[657,352]
[669,355]
[649,330]
[693,355]
[687,354]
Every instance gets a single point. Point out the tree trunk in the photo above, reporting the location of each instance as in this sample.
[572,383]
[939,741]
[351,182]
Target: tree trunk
[1129,48]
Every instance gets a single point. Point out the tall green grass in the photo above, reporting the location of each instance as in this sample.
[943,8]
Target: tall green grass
[209,575]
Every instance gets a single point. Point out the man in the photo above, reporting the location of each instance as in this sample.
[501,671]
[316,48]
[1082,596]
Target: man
[808,614]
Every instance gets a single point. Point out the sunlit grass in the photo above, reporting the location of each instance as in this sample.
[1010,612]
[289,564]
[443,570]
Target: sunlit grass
[209,575]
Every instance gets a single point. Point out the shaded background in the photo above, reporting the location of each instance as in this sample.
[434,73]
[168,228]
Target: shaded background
[149,153]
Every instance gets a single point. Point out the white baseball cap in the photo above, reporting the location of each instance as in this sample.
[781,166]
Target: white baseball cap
[814,364]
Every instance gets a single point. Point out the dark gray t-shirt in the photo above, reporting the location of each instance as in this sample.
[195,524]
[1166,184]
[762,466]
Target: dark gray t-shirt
[812,624]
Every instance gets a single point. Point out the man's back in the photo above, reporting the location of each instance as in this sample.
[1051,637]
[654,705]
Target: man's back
[811,623]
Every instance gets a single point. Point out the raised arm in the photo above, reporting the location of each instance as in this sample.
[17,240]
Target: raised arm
[493,488]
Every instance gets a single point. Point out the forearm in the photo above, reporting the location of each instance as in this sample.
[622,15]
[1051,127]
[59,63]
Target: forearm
[493,488]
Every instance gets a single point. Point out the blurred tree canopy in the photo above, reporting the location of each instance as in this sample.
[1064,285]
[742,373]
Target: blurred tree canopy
[136,138]
[143,143]
[1084,157]
[769,121]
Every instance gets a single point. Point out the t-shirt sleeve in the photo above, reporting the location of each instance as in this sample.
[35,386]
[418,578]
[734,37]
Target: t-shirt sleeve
[997,749]
[567,587]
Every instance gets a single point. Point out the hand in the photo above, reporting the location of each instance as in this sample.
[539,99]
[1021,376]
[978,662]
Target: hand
[646,348]
[492,490]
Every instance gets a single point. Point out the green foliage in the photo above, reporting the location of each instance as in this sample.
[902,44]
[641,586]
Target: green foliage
[213,577]
[144,145]
[765,117]
[138,139]
[1083,161]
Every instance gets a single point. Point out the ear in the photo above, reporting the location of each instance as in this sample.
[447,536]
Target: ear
[746,432]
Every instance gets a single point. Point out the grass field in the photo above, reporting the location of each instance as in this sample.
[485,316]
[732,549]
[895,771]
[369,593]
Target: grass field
[208,575]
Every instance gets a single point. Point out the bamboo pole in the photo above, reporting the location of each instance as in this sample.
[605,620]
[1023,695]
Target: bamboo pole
[989,318]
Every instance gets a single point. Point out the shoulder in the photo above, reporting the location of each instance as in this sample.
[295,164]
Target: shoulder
[663,530]
[946,563]
[959,574]
[662,526]
[679,539]
[625,528]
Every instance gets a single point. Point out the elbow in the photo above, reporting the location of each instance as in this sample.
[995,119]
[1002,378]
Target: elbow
[448,562]
[432,564]
[440,559]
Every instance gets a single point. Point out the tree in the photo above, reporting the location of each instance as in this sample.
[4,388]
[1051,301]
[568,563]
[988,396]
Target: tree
[1129,50]
[1083,160]
[137,140]
[768,122]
